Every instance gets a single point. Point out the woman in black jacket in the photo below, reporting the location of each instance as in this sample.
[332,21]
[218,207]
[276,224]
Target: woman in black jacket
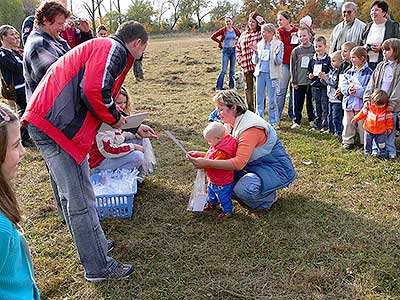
[379,30]
[12,70]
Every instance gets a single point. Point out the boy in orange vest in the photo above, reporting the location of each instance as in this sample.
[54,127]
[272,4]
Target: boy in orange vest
[378,123]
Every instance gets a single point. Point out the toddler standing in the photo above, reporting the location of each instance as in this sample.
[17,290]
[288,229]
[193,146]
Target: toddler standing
[220,182]
[386,77]
[354,83]
[299,60]
[268,60]
[320,64]
[378,123]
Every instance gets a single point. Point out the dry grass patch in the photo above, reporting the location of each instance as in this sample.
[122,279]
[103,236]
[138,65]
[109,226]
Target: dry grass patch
[334,234]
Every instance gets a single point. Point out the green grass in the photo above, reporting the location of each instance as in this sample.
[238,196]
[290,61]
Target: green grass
[334,233]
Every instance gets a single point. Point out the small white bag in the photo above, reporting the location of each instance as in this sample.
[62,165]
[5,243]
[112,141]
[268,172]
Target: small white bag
[198,197]
[149,160]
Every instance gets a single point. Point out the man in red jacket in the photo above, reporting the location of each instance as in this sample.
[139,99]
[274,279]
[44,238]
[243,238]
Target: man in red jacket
[71,101]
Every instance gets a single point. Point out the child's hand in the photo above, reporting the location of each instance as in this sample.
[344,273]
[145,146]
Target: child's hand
[352,90]
[389,131]
[323,75]
[192,154]
[311,76]
[138,147]
[146,131]
[295,86]
[353,121]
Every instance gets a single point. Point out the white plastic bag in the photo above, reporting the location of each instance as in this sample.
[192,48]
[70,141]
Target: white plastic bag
[198,198]
[149,161]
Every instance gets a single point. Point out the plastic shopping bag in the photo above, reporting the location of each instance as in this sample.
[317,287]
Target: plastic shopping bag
[149,161]
[198,198]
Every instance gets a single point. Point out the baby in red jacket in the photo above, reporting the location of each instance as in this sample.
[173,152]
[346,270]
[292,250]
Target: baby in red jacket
[220,182]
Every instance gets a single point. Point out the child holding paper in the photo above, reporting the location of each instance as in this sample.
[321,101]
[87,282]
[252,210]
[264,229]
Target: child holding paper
[319,65]
[354,83]
[220,182]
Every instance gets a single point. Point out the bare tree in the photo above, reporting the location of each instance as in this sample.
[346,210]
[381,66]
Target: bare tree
[91,11]
[175,5]
[199,7]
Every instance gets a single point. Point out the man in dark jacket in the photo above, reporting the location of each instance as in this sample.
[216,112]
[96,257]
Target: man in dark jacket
[74,97]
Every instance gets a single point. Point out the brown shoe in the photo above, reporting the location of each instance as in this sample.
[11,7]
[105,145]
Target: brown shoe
[210,206]
[223,216]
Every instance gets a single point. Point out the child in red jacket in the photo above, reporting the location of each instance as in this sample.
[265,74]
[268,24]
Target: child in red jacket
[378,123]
[220,182]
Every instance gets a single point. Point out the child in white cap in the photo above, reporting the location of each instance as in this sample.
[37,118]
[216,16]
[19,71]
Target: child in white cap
[307,21]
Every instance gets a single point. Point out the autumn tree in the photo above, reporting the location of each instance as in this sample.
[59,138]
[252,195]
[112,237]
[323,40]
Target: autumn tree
[364,8]
[12,12]
[141,11]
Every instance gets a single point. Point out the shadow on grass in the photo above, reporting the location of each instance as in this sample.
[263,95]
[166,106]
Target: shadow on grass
[300,249]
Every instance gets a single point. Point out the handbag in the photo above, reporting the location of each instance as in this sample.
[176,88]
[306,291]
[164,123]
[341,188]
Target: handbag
[8,90]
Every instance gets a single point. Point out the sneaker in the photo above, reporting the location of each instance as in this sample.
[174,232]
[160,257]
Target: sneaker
[110,246]
[295,126]
[121,271]
[210,206]
[223,216]
[312,124]
[392,156]
[348,146]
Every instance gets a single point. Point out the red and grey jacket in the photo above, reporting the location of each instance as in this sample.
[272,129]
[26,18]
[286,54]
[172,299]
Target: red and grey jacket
[77,94]
[219,36]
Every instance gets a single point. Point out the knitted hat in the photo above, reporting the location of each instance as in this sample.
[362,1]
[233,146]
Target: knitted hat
[306,21]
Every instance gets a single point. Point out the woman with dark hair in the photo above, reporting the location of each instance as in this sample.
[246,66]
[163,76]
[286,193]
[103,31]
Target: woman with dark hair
[11,68]
[101,31]
[245,47]
[288,35]
[379,30]
[226,38]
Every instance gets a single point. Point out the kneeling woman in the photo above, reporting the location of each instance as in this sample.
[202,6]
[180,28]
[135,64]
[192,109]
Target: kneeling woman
[261,162]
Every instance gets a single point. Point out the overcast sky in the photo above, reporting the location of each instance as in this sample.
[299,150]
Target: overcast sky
[80,11]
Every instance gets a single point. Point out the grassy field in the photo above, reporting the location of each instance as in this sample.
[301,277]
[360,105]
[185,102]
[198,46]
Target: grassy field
[333,234]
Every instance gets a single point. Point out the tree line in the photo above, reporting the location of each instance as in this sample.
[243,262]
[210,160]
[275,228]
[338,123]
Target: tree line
[167,15]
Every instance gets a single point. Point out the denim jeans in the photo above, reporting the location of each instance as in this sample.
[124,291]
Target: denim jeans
[228,56]
[282,93]
[320,104]
[303,91]
[378,139]
[221,194]
[248,189]
[78,204]
[264,82]
[390,139]
[335,118]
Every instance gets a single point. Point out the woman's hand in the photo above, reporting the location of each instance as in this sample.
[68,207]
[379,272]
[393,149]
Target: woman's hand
[376,48]
[146,131]
[138,147]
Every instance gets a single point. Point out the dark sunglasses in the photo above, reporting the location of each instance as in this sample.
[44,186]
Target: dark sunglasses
[347,12]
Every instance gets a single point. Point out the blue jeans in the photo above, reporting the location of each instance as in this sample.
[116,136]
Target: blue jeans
[221,193]
[248,189]
[228,55]
[320,104]
[303,91]
[335,118]
[390,139]
[378,139]
[283,88]
[264,82]
[78,204]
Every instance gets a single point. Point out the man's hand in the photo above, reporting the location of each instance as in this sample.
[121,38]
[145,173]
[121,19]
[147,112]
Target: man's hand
[311,76]
[353,121]
[120,122]
[146,131]
[295,86]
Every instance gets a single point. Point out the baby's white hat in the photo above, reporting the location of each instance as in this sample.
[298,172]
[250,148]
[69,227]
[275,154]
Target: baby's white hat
[306,20]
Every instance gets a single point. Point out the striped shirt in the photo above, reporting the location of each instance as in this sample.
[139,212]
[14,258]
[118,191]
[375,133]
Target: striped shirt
[243,51]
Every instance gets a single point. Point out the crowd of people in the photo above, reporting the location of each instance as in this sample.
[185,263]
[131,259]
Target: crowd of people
[336,83]
[66,83]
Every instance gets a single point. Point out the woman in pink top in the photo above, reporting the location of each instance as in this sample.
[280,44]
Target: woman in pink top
[288,35]
[261,163]
[245,47]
